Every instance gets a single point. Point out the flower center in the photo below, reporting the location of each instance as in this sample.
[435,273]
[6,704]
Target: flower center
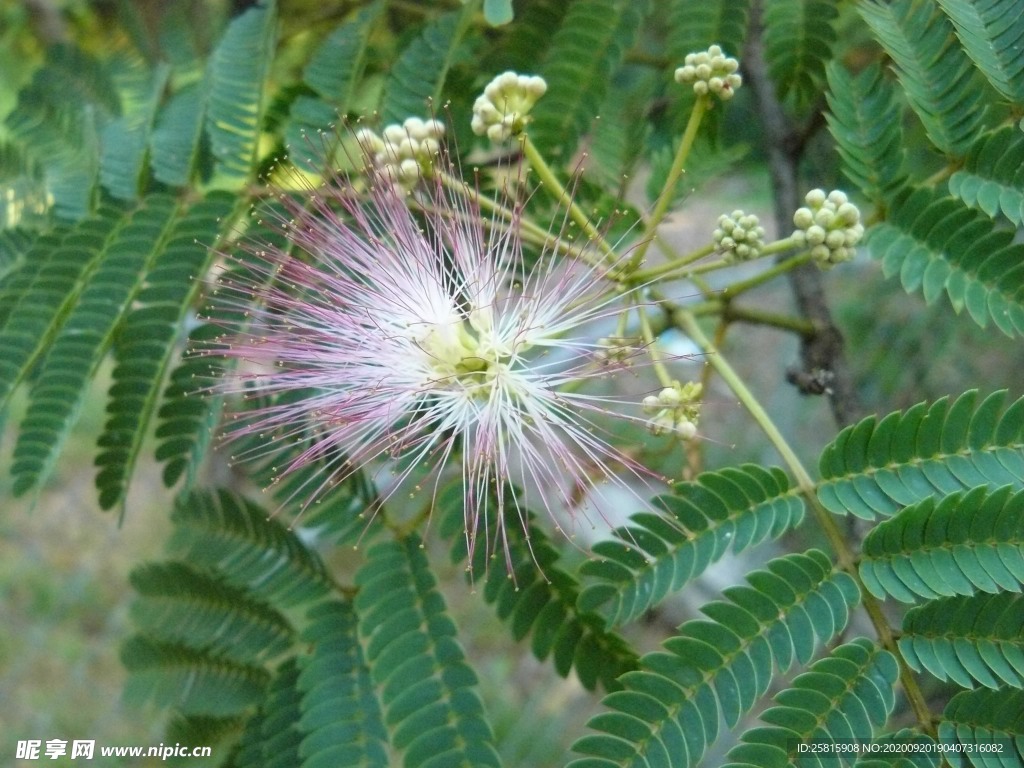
[466,353]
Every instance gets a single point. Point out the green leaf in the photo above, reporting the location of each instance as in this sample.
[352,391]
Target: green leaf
[145,345]
[179,604]
[340,712]
[193,682]
[799,36]
[992,176]
[846,696]
[74,356]
[176,136]
[992,32]
[237,73]
[864,120]
[967,542]
[980,638]
[428,691]
[585,50]
[669,709]
[42,294]
[415,85]
[939,81]
[877,467]
[124,141]
[988,724]
[541,598]
[247,547]
[657,555]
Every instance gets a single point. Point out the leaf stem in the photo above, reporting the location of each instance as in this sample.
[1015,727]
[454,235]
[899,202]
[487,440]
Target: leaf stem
[734,290]
[700,107]
[845,557]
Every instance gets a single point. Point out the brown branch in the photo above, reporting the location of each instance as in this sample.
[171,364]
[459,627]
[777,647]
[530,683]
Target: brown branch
[823,367]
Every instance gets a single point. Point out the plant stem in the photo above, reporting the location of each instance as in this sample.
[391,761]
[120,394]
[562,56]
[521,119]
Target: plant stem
[700,107]
[647,334]
[549,180]
[734,290]
[845,557]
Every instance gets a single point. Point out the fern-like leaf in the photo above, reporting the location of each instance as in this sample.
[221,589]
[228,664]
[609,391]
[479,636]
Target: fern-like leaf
[193,682]
[417,79]
[968,638]
[965,543]
[876,467]
[940,83]
[334,73]
[248,548]
[176,135]
[145,346]
[428,691]
[668,711]
[656,555]
[992,177]
[586,49]
[124,141]
[864,120]
[992,33]
[798,38]
[846,696]
[541,599]
[237,74]
[692,27]
[986,726]
[340,712]
[57,119]
[178,603]
[74,356]
[935,243]
[43,293]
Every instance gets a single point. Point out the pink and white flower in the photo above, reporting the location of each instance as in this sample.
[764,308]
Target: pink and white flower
[420,338]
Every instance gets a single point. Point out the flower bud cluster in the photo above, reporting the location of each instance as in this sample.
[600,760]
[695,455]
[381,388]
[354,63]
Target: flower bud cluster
[502,111]
[710,71]
[675,410]
[616,350]
[739,235]
[829,225]
[403,151]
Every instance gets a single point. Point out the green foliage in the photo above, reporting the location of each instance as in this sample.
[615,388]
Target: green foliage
[311,630]
[845,697]
[935,637]
[340,711]
[658,554]
[989,718]
[941,85]
[428,691]
[992,176]
[238,70]
[251,550]
[864,120]
[541,599]
[877,467]
[669,709]
[965,543]
[410,91]
[799,37]
[991,32]
[144,347]
[587,47]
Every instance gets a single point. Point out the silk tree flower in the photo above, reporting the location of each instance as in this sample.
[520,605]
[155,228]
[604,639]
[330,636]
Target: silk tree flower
[424,346]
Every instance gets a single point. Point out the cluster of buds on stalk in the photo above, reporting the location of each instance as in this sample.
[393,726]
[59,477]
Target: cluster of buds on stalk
[675,410]
[710,71]
[402,152]
[739,236]
[616,350]
[829,225]
[503,109]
